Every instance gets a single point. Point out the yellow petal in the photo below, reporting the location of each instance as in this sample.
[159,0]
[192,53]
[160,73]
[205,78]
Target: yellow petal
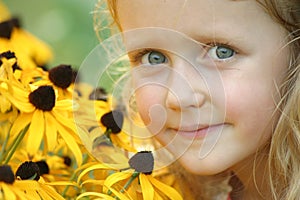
[85,139]
[21,105]
[114,178]
[5,15]
[8,194]
[157,196]
[44,195]
[20,194]
[93,182]
[20,123]
[32,194]
[147,189]
[116,140]
[166,189]
[96,194]
[119,194]
[65,104]
[36,132]
[51,131]
[51,192]
[98,166]
[41,51]
[84,166]
[27,185]
[62,183]
[20,93]
[64,120]
[71,143]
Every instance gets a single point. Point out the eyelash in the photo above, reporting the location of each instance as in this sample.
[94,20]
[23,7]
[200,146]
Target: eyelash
[136,56]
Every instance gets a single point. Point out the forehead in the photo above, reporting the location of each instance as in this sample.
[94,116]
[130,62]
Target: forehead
[187,14]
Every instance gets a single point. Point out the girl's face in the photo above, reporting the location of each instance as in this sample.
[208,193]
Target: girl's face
[209,98]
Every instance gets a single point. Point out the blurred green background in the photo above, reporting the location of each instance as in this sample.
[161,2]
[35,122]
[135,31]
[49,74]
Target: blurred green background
[65,25]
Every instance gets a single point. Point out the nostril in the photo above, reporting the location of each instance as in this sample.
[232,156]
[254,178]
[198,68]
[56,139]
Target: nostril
[172,101]
[199,99]
[184,100]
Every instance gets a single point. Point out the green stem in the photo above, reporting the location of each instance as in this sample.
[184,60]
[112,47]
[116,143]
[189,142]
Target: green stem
[105,138]
[107,133]
[16,143]
[74,176]
[127,184]
[3,149]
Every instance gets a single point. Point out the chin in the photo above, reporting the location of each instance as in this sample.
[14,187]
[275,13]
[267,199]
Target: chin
[204,167]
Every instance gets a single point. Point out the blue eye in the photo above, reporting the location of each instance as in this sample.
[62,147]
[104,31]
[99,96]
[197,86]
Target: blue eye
[219,52]
[154,58]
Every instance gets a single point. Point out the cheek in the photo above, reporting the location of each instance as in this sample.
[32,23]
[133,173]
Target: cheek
[250,107]
[150,101]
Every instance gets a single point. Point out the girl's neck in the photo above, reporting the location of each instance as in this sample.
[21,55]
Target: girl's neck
[251,179]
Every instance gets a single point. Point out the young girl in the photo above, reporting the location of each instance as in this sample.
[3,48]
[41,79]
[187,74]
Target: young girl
[218,84]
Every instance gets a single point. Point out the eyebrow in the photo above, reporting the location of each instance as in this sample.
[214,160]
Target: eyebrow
[218,36]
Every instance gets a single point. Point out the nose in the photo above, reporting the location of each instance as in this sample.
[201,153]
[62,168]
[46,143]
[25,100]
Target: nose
[185,88]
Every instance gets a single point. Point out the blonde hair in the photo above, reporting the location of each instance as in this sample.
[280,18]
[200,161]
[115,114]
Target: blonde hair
[284,159]
[284,151]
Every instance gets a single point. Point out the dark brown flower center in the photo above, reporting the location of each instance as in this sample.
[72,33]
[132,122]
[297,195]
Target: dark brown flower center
[28,171]
[43,98]
[113,120]
[142,162]
[67,161]
[98,94]
[6,174]
[61,76]
[43,167]
[6,27]
[9,55]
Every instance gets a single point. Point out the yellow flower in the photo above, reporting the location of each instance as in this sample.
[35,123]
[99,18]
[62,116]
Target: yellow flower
[61,78]
[25,44]
[8,67]
[49,118]
[131,183]
[52,167]
[4,12]
[37,190]
[30,181]
[7,188]
[111,123]
[30,51]
[28,76]
[93,104]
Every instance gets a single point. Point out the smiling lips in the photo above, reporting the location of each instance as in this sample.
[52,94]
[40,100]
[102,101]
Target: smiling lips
[199,132]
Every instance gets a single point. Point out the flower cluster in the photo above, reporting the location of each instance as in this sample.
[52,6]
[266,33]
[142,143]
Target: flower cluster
[44,152]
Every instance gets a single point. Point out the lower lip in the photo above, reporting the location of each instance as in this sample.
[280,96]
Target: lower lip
[201,133]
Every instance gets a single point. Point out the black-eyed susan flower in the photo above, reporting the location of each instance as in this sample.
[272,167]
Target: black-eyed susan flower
[31,51]
[111,124]
[9,70]
[7,188]
[98,94]
[61,77]
[131,183]
[49,118]
[29,180]
[93,105]
[52,167]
